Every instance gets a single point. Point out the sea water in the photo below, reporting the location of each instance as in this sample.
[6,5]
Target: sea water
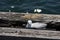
[47,6]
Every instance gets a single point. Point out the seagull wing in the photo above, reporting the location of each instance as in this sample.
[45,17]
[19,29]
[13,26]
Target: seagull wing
[38,25]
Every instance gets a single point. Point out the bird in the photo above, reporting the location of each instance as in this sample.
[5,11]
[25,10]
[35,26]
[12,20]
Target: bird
[38,10]
[36,25]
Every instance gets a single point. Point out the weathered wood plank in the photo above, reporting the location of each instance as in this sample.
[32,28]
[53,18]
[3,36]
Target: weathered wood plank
[19,32]
[24,17]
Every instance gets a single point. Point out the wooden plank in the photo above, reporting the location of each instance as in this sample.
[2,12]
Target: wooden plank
[19,32]
[24,17]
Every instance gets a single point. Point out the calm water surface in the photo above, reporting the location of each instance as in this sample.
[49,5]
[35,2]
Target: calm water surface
[47,6]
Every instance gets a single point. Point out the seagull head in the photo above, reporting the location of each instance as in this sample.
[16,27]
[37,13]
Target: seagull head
[29,21]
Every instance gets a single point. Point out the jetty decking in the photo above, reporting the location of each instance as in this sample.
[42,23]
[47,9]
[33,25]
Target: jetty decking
[18,32]
[24,16]
[23,32]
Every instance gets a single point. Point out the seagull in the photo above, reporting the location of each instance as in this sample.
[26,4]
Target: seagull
[36,25]
[38,10]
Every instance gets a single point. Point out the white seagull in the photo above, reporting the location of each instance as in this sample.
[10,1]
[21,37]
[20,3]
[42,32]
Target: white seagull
[36,25]
[38,10]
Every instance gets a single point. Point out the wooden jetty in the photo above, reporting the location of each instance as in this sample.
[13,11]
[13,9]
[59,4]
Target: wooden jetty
[12,17]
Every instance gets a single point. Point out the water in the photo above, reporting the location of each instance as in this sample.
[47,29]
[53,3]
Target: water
[47,6]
